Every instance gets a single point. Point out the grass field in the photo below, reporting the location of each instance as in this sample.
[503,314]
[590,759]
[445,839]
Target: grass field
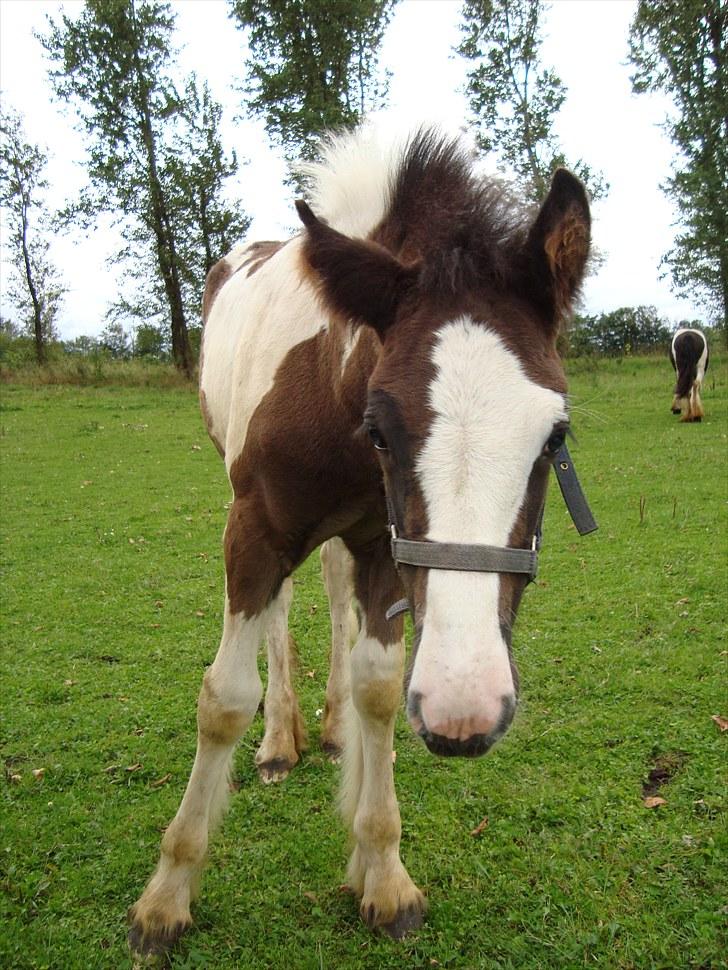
[113,504]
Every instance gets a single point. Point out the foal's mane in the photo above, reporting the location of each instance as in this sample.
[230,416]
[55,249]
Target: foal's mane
[423,199]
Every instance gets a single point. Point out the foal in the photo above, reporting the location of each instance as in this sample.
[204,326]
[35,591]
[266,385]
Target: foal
[689,357]
[396,360]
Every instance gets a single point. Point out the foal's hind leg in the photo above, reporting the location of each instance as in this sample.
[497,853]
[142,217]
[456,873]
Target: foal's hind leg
[337,570]
[285,731]
[390,901]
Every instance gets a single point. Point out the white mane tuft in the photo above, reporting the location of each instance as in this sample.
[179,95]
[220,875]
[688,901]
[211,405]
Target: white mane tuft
[350,186]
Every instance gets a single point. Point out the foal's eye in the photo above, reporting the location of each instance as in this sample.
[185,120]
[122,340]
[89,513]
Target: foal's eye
[377,440]
[556,441]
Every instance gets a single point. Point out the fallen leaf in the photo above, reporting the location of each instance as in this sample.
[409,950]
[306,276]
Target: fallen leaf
[38,773]
[654,801]
[135,767]
[69,683]
[312,896]
[199,613]
[15,779]
[394,757]
[722,722]
[311,674]
[480,827]
[160,781]
[111,768]
[312,609]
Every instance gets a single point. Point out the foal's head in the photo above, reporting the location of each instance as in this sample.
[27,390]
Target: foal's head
[466,406]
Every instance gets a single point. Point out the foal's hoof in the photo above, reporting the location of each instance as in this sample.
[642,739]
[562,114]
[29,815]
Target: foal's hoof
[154,942]
[332,751]
[676,410]
[274,770]
[405,921]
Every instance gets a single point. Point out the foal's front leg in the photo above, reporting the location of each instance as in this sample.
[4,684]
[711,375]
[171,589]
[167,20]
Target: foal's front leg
[389,899]
[228,701]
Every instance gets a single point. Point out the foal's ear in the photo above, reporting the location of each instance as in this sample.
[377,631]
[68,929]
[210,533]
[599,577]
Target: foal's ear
[558,243]
[360,279]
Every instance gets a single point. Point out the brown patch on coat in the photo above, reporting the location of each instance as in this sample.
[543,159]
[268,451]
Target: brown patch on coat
[207,418]
[259,253]
[216,279]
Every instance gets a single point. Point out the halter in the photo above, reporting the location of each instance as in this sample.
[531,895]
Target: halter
[491,559]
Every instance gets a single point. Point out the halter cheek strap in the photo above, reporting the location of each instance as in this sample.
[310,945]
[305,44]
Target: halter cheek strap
[491,559]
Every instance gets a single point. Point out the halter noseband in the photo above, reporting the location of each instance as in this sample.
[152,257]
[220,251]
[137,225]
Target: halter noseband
[491,559]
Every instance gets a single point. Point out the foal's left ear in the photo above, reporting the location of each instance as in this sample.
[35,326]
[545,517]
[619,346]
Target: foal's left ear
[360,279]
[558,243]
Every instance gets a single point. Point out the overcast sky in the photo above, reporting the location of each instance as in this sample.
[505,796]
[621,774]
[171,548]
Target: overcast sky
[600,122]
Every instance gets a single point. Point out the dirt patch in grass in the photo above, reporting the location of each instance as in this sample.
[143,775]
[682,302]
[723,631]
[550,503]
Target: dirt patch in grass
[664,768]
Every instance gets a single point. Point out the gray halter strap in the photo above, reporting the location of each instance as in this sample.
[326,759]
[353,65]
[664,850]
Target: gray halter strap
[492,559]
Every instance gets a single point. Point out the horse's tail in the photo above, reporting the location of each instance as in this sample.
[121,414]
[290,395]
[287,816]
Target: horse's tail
[688,348]
[686,378]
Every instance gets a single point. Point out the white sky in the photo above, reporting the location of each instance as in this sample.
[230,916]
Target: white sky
[601,122]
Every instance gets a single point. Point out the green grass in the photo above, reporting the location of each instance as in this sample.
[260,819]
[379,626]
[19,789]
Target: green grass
[113,504]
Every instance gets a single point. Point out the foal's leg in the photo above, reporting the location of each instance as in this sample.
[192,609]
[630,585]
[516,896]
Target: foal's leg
[285,731]
[231,692]
[389,898]
[337,570]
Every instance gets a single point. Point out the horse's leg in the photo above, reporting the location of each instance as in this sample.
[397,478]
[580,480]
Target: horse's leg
[389,898]
[285,731]
[696,405]
[337,570]
[228,701]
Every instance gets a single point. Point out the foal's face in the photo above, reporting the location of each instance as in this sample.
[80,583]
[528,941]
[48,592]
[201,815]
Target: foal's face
[466,408]
[465,434]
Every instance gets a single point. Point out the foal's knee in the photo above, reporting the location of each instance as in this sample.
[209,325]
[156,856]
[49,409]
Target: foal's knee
[376,678]
[221,719]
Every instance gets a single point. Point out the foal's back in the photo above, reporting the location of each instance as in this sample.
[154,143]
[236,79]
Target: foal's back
[258,305]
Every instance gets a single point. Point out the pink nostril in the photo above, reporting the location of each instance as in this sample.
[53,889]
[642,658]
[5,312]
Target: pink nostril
[490,722]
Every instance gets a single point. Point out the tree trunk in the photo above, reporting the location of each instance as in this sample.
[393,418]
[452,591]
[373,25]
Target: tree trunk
[40,349]
[166,250]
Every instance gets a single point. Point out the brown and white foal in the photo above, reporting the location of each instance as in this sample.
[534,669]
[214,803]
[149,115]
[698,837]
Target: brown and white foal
[402,345]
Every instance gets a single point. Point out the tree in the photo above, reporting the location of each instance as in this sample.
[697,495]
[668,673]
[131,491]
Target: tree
[313,65]
[114,62]
[34,288]
[678,47]
[625,331]
[115,341]
[513,98]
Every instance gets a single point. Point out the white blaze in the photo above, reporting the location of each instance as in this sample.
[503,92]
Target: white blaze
[491,423]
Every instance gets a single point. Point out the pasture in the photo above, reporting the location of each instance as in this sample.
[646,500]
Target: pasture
[541,855]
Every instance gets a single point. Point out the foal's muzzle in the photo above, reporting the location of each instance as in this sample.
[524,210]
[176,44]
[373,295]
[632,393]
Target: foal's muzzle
[474,746]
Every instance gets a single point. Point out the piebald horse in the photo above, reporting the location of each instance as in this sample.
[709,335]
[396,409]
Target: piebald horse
[689,358]
[389,376]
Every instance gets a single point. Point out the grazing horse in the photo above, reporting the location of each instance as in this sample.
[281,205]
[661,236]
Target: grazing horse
[689,357]
[389,376]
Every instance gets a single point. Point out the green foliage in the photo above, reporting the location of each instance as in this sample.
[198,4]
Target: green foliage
[113,506]
[679,47]
[312,65]
[155,158]
[628,330]
[34,288]
[514,100]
